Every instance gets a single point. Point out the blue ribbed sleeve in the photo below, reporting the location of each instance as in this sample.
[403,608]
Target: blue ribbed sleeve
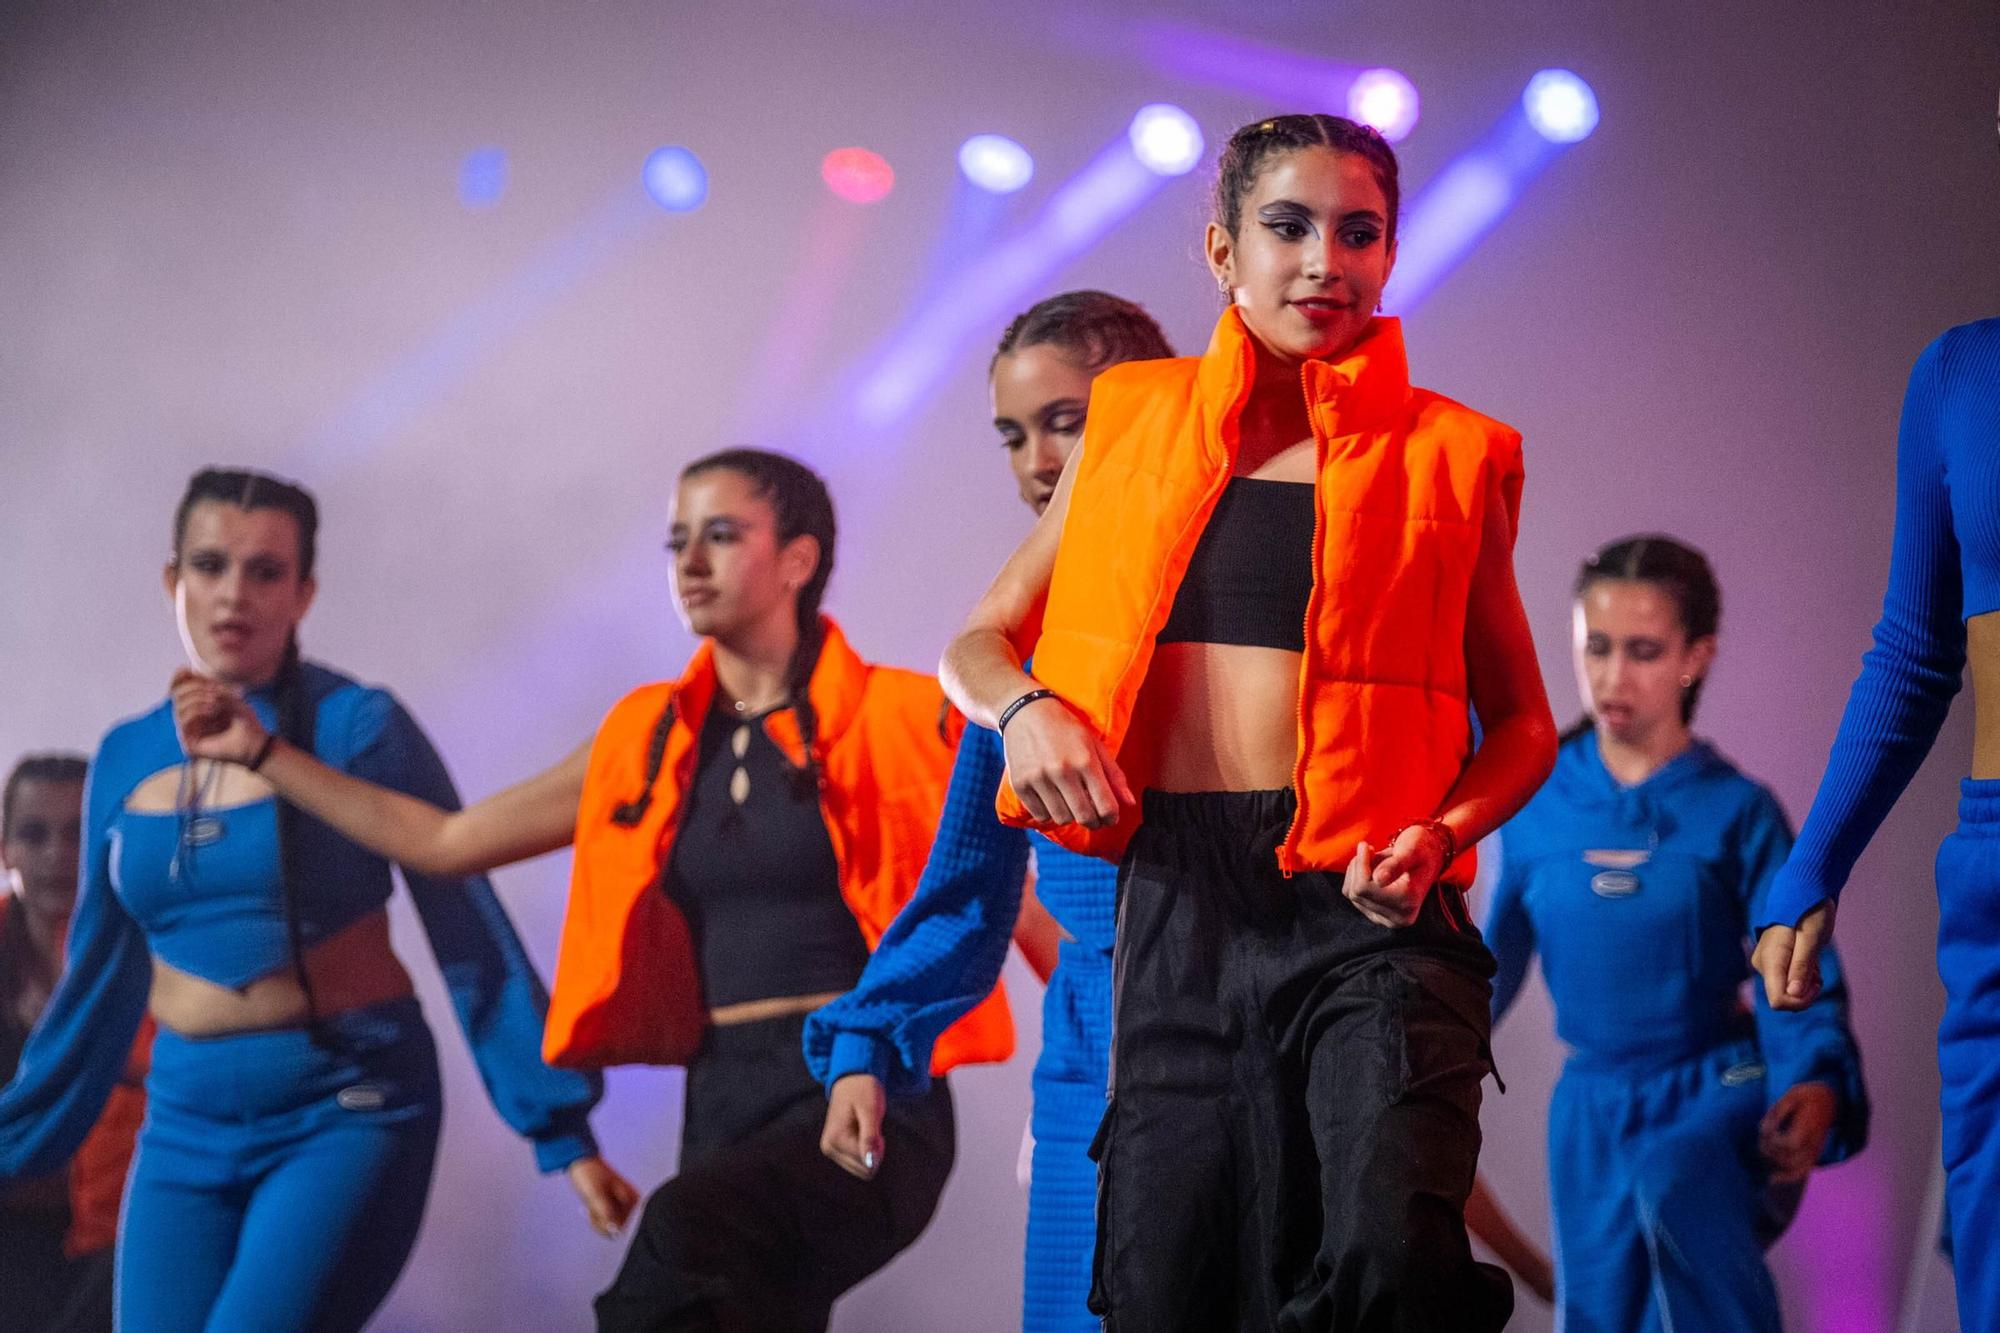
[500,1000]
[1815,1044]
[943,953]
[79,1047]
[1909,676]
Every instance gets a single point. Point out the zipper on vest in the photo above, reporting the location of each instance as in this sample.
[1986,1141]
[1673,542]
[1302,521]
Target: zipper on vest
[1288,850]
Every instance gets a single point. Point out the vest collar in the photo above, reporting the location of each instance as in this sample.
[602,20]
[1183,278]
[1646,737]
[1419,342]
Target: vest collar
[1367,387]
[837,684]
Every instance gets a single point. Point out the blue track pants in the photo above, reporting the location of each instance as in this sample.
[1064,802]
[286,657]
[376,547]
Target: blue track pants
[279,1184]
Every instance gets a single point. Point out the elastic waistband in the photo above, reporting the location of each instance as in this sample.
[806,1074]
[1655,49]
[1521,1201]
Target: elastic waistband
[1979,806]
[1731,1053]
[1238,820]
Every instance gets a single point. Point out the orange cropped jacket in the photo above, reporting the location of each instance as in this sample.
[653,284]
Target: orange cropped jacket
[626,989]
[1404,481]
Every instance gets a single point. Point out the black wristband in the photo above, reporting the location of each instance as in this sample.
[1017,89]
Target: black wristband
[1007,715]
[263,751]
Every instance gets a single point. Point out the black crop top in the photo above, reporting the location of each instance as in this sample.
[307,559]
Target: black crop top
[757,877]
[1252,569]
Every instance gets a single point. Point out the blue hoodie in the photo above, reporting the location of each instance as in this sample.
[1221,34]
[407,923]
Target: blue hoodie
[1639,900]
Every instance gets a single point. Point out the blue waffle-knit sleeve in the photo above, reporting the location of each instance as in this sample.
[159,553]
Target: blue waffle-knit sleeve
[1815,1044]
[1909,676]
[79,1047]
[498,996]
[943,952]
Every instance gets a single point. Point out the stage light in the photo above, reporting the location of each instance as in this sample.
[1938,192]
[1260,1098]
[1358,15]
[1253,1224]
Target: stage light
[995,163]
[857,175]
[1166,139]
[1560,106]
[1385,99]
[676,179]
[482,178]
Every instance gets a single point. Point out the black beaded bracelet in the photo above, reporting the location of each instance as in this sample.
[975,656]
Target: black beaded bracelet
[1008,714]
[263,751]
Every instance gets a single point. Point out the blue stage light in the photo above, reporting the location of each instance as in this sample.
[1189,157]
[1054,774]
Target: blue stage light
[1166,139]
[676,179]
[482,177]
[1560,106]
[995,163]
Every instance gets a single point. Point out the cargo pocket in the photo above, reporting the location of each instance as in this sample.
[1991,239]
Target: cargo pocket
[1442,1020]
[1100,1153]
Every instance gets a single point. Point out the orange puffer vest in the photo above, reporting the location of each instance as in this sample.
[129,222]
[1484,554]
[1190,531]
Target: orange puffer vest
[626,989]
[1404,481]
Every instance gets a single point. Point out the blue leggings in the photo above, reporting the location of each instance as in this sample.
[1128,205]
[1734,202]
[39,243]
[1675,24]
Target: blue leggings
[1069,1104]
[1968,880]
[1661,1206]
[279,1184]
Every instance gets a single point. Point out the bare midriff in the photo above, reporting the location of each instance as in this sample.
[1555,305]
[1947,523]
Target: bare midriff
[1982,658]
[349,970]
[1220,717]
[781,1006]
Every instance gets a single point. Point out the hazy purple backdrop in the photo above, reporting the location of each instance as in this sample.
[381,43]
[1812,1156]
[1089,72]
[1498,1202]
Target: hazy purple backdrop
[232,233]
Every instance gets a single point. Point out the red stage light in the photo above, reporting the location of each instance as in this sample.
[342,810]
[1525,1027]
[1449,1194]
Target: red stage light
[857,175]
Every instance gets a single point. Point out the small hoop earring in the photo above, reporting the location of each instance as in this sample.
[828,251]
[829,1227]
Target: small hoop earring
[1687,682]
[1222,286]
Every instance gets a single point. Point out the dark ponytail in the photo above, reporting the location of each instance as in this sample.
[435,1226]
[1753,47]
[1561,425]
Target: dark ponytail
[1676,569]
[297,711]
[803,508]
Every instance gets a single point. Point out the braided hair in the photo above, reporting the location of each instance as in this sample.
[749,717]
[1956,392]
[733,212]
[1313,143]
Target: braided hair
[1096,328]
[1250,148]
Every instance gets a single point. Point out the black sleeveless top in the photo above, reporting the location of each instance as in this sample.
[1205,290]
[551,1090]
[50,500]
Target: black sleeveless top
[756,877]
[1251,574]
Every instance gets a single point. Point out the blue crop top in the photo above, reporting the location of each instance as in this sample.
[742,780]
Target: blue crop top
[1639,901]
[1944,568]
[219,914]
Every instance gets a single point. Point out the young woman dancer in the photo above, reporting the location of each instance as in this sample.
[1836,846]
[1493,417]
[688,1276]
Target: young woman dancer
[1684,1126]
[55,1231]
[1301,1000]
[1938,618]
[293,1098]
[944,952]
[743,837]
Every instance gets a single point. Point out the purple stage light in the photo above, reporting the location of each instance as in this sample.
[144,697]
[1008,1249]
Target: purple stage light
[995,163]
[857,175]
[676,179]
[1166,139]
[1471,194]
[1384,99]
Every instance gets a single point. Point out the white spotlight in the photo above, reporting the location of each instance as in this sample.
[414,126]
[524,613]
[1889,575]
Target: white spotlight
[1385,99]
[1560,106]
[1166,139]
[996,163]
